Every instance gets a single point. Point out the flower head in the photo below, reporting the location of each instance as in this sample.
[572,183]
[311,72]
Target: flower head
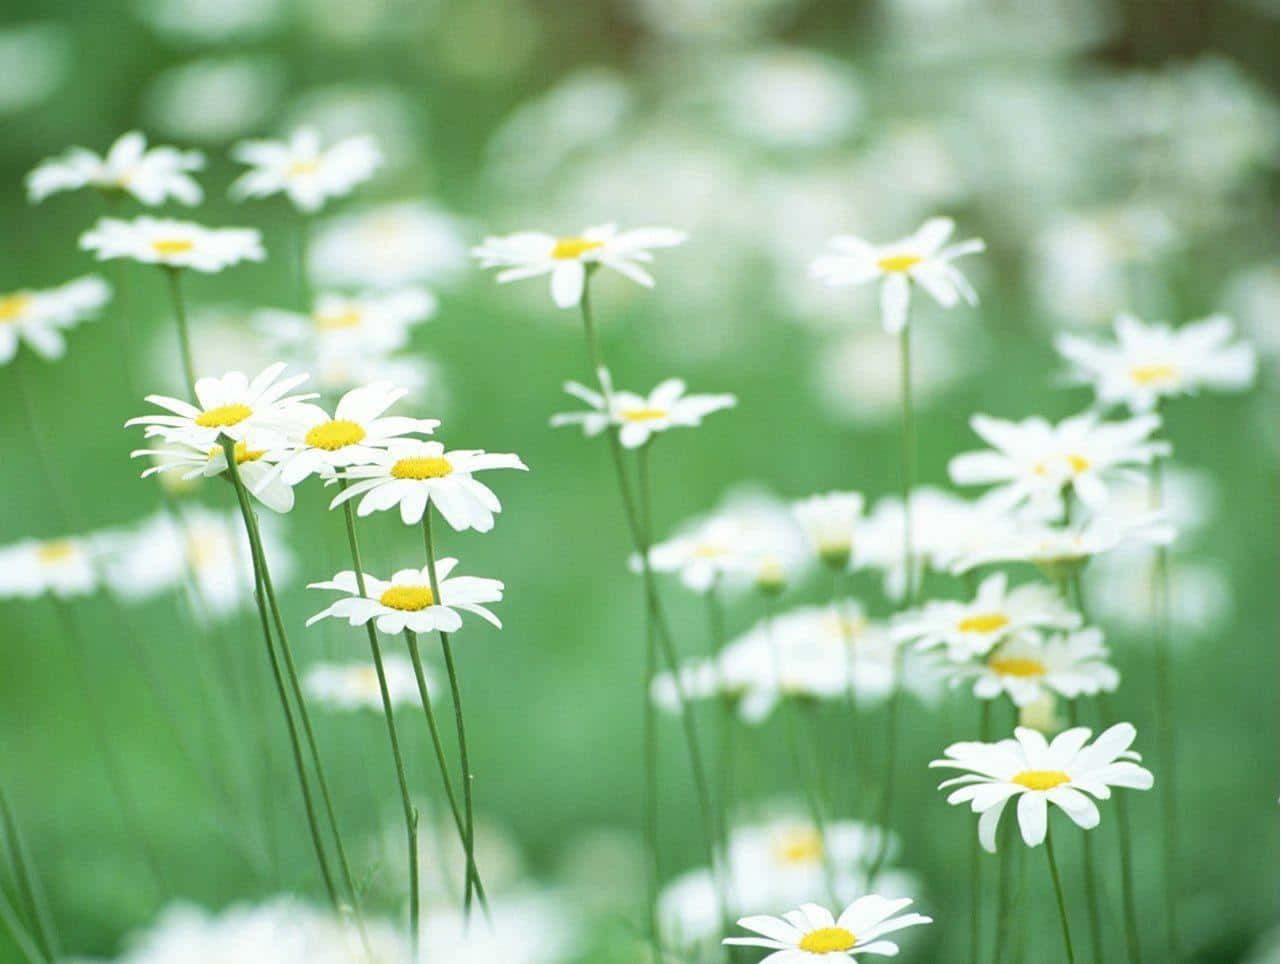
[529,254]
[40,317]
[355,686]
[829,523]
[173,244]
[307,173]
[408,601]
[1062,772]
[920,257]
[369,324]
[64,567]
[151,176]
[255,466]
[638,417]
[812,932]
[1066,664]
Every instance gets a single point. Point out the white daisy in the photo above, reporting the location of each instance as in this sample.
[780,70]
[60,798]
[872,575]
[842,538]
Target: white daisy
[1149,362]
[995,615]
[920,257]
[829,522]
[1068,664]
[40,317]
[638,417]
[529,254]
[1035,460]
[307,173]
[369,324]
[151,176]
[354,686]
[255,465]
[63,567]
[408,601]
[1052,548]
[358,433]
[412,474]
[811,933]
[173,244]
[404,242]
[1062,772]
[258,411]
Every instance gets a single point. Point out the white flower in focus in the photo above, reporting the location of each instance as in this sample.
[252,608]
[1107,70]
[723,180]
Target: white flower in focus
[259,411]
[255,466]
[812,932]
[307,173]
[151,176]
[388,246]
[529,254]
[1070,665]
[63,567]
[1150,362]
[1034,460]
[829,522]
[40,317]
[920,257]
[413,474]
[995,615]
[638,417]
[173,244]
[1036,773]
[407,601]
[355,686]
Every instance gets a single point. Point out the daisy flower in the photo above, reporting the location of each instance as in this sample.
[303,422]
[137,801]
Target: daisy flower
[63,567]
[1070,665]
[1149,362]
[173,244]
[256,411]
[358,433]
[812,932]
[829,523]
[1062,773]
[1034,460]
[387,246]
[529,254]
[354,686]
[307,173]
[412,474]
[996,614]
[151,176]
[1052,548]
[255,465]
[920,257]
[374,323]
[40,317]
[408,601]
[638,417]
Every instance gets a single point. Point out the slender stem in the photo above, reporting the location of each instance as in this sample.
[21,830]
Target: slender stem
[976,868]
[469,840]
[29,885]
[1005,901]
[650,743]
[174,276]
[407,806]
[1088,867]
[1059,896]
[301,234]
[26,944]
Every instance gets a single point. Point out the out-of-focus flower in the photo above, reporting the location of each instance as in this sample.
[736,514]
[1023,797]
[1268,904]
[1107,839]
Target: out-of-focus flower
[408,601]
[195,21]
[1038,774]
[173,244]
[920,257]
[525,928]
[1251,294]
[374,323]
[829,522]
[34,61]
[63,567]
[213,99]
[384,112]
[1121,588]
[791,98]
[1027,669]
[355,686]
[712,20]
[256,468]
[151,176]
[812,931]
[300,168]
[530,254]
[1149,362]
[389,246]
[638,417]
[40,317]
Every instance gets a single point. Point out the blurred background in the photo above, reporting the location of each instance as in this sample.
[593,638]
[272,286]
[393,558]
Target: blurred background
[1113,154]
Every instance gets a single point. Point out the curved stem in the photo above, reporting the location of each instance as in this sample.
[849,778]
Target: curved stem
[18,933]
[29,885]
[174,275]
[1059,897]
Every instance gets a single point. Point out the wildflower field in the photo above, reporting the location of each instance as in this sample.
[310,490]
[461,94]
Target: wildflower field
[501,482]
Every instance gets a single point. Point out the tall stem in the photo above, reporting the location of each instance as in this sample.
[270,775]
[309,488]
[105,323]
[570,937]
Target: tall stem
[29,885]
[469,825]
[650,743]
[976,868]
[1059,896]
[1088,868]
[407,806]
[174,276]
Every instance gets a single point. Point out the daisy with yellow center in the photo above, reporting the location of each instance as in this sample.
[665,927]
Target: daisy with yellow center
[811,932]
[921,257]
[150,176]
[529,254]
[256,466]
[1065,664]
[411,474]
[39,318]
[1065,772]
[407,601]
[173,244]
[63,567]
[302,169]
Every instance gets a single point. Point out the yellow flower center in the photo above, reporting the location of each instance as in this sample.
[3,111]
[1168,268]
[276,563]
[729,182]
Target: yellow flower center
[826,940]
[243,453]
[1041,779]
[1153,374]
[223,415]
[567,249]
[1016,666]
[642,414]
[337,320]
[59,550]
[799,845]
[334,435]
[12,306]
[302,168]
[900,262]
[169,246]
[366,680]
[707,550]
[1078,463]
[425,467]
[407,598]
[983,623]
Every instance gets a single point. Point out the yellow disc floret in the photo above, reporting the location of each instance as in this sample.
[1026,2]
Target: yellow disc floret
[1017,666]
[243,453]
[799,845]
[407,598]
[56,551]
[223,415]
[642,414]
[567,249]
[900,262]
[13,306]
[423,467]
[1041,779]
[1155,374]
[983,623]
[166,247]
[1078,463]
[337,320]
[826,940]
[334,435]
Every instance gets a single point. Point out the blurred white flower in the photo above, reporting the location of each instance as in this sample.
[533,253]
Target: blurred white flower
[304,171]
[791,98]
[35,58]
[40,317]
[194,21]
[639,417]
[1030,668]
[384,112]
[712,21]
[213,99]
[829,522]
[1252,295]
[355,686]
[64,567]
[173,244]
[533,927]
[152,176]
[369,324]
[388,246]
[1200,595]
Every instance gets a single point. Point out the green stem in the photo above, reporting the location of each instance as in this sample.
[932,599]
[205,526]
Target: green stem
[1059,896]
[1088,867]
[29,885]
[650,743]
[174,275]
[407,806]
[976,868]
[469,840]
[26,944]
